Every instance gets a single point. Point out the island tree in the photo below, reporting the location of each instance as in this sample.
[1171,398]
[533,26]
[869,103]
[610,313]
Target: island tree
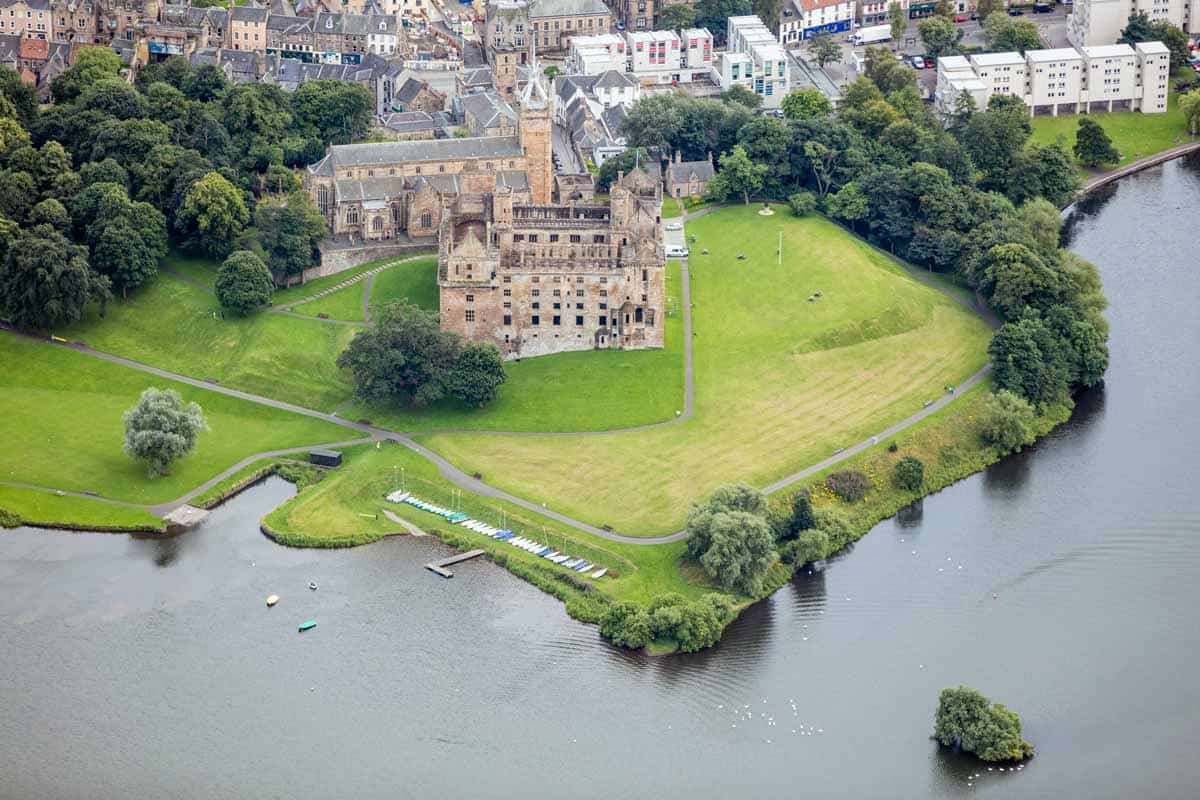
[967,720]
[161,429]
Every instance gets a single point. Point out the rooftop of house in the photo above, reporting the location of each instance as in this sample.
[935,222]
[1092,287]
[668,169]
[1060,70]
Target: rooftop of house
[1108,51]
[35,49]
[568,8]
[251,14]
[997,59]
[409,121]
[489,109]
[1055,54]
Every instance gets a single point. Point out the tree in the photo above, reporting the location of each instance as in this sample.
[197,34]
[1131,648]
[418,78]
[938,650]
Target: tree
[1042,172]
[884,70]
[985,8]
[678,17]
[806,104]
[1008,421]
[1092,145]
[113,97]
[212,215]
[824,49]
[712,14]
[478,374]
[910,473]
[244,283]
[290,230]
[1139,29]
[1004,33]
[898,21]
[406,358]
[742,96]
[45,281]
[126,239]
[1189,104]
[738,175]
[53,213]
[161,429]
[626,625]
[22,96]
[1030,360]
[802,203]
[92,64]
[18,193]
[994,137]
[336,112]
[106,171]
[1015,278]
[940,35]
[966,719]
[730,537]
[802,517]
[848,204]
[1175,40]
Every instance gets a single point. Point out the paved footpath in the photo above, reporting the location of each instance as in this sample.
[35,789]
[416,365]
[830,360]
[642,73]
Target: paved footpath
[472,484]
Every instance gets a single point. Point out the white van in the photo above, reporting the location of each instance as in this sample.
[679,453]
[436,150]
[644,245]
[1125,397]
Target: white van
[676,251]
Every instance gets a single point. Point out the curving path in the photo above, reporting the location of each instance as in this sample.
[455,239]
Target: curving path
[465,481]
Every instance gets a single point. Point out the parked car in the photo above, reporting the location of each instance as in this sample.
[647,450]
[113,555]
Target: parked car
[960,17]
[1016,12]
[929,63]
[1043,8]
[918,62]
[674,226]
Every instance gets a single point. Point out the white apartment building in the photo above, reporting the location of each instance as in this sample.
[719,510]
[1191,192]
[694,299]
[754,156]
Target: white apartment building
[1100,22]
[697,49]
[592,55]
[766,73]
[654,56]
[803,19]
[1113,77]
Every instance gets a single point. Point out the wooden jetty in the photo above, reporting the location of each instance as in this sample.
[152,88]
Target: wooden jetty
[440,566]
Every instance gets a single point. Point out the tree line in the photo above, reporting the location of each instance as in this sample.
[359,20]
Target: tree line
[97,187]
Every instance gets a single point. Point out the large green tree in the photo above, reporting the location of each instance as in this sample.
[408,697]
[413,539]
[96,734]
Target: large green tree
[478,374]
[1004,33]
[940,35]
[45,280]
[290,229]
[678,17]
[244,283]
[824,49]
[212,215]
[1008,421]
[738,176]
[336,112]
[405,358]
[161,429]
[730,536]
[1092,145]
[966,719]
[807,103]
[92,64]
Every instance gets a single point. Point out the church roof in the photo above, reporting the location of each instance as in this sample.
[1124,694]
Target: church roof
[372,190]
[360,155]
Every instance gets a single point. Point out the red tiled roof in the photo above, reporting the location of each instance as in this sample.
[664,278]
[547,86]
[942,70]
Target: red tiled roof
[35,49]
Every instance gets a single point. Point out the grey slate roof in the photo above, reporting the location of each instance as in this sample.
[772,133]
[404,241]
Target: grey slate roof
[611,79]
[373,190]
[683,171]
[408,91]
[488,109]
[255,14]
[356,24]
[290,25]
[409,121]
[567,8]
[479,77]
[362,155]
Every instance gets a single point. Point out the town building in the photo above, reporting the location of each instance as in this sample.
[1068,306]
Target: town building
[342,37]
[1100,22]
[1114,77]
[75,21]
[755,60]
[488,114]
[409,125]
[514,29]
[802,19]
[31,18]
[592,55]
[689,178]
[536,279]
[554,22]
[248,28]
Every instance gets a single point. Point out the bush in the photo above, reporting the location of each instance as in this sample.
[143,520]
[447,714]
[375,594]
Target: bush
[892,447]
[837,530]
[850,485]
[693,625]
[1008,422]
[802,203]
[626,625]
[910,473]
[812,545]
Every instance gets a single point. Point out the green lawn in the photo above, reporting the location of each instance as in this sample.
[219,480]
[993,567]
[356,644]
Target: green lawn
[200,270]
[345,303]
[415,281]
[302,290]
[1135,135]
[176,326]
[582,391]
[62,426]
[35,507]
[344,509]
[781,382]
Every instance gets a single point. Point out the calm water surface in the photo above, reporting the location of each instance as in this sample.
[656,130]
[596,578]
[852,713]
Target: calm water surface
[145,668]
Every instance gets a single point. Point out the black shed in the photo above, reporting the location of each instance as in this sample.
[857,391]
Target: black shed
[325,458]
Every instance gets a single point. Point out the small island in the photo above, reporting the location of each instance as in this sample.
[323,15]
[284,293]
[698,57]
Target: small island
[967,720]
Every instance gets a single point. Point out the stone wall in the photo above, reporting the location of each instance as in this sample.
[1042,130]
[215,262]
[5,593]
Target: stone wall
[339,258]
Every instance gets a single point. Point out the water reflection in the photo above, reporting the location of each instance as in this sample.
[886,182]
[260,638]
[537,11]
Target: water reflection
[1008,476]
[911,515]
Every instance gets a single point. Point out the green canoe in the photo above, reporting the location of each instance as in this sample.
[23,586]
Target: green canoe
[307,626]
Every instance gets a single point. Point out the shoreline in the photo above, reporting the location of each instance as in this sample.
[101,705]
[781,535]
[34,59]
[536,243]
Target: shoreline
[1134,167]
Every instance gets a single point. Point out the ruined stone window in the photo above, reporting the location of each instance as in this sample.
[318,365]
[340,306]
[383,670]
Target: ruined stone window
[557,279]
[579,306]
[533,239]
[536,305]
[579,279]
[469,315]
[558,320]
[579,292]
[536,279]
[512,164]
[370,173]
[576,238]
[558,293]
[578,320]
[557,306]
[603,280]
[508,292]
[418,170]
[508,319]
[323,199]
[603,322]
[603,306]
[518,237]
[396,215]
[508,305]
[441,167]
[535,320]
[637,315]
[377,224]
[392,171]
[508,279]
[470,298]
[643,298]
[352,216]
[603,292]
[426,219]
[553,238]
[645,277]
[537,292]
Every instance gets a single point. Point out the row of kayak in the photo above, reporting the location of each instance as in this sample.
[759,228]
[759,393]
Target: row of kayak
[580,565]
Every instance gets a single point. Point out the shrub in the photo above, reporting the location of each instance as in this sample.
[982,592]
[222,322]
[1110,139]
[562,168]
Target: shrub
[8,519]
[910,473]
[812,545]
[1008,421]
[850,485]
[730,536]
[892,447]
[802,203]
[837,530]
[626,625]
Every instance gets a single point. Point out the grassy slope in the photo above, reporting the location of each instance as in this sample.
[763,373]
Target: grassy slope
[588,390]
[780,382]
[62,425]
[302,290]
[1135,135]
[45,508]
[344,509]
[170,324]
[344,304]
[415,282]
